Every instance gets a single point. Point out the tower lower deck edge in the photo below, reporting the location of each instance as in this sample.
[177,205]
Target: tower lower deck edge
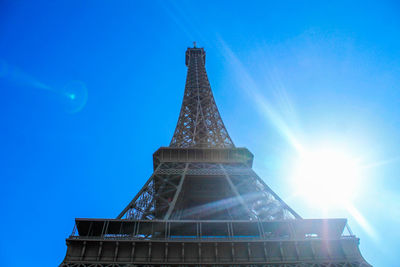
[304,242]
[207,207]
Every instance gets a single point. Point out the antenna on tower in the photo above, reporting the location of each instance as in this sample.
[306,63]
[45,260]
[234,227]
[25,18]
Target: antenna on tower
[194,44]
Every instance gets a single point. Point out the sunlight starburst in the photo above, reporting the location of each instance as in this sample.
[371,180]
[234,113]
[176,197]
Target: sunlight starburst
[327,177]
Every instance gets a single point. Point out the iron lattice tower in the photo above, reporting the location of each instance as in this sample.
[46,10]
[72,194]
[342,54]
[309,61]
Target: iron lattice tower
[205,206]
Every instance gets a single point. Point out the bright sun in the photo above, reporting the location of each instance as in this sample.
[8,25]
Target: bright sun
[326,177]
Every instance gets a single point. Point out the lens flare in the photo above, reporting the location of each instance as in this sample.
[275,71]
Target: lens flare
[327,177]
[75,96]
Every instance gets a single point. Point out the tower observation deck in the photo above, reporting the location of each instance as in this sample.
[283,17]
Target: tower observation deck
[205,206]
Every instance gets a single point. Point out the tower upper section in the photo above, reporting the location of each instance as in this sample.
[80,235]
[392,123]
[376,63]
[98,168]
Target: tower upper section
[199,123]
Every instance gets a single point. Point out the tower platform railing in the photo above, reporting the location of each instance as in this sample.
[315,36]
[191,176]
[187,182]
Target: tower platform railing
[208,229]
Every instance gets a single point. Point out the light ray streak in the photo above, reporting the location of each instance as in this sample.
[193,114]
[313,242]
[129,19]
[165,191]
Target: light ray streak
[212,207]
[74,94]
[248,85]
[273,205]
[361,220]
[185,24]
[382,163]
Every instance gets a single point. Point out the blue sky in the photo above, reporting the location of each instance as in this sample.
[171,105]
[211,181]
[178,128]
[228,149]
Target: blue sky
[90,89]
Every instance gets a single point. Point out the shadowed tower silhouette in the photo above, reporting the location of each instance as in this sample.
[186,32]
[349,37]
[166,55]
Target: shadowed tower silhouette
[205,206]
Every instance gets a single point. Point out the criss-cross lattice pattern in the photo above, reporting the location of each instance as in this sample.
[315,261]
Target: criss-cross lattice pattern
[247,196]
[205,206]
[199,123]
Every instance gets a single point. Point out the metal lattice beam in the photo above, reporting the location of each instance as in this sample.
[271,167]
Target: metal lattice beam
[205,206]
[199,123]
[247,193]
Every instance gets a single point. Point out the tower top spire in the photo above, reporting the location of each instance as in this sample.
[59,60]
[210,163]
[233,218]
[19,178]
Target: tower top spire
[199,123]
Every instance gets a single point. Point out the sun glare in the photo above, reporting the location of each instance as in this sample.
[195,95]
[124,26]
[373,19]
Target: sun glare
[326,177]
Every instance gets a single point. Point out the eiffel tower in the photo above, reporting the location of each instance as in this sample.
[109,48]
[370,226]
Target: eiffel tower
[205,206]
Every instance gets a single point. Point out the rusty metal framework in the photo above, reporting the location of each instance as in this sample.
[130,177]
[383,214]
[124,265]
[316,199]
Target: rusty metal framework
[205,206]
